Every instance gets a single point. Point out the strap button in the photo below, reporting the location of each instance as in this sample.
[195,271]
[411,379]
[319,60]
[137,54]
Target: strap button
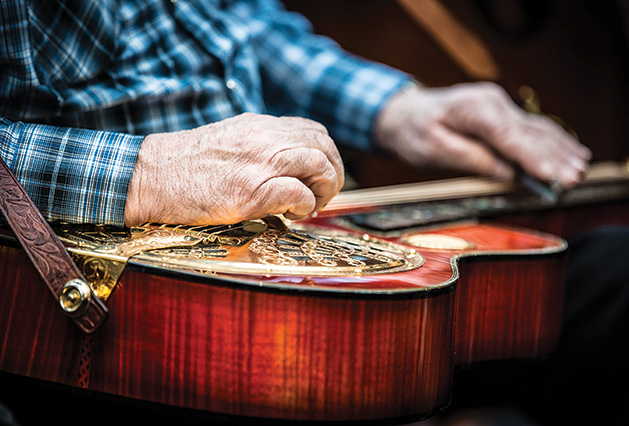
[75,298]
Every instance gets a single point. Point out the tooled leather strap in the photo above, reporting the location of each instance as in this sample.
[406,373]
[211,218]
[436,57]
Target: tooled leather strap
[48,255]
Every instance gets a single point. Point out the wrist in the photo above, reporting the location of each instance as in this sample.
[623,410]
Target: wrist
[136,211]
[392,114]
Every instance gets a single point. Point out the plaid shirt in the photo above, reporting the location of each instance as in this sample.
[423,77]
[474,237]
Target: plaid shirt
[82,81]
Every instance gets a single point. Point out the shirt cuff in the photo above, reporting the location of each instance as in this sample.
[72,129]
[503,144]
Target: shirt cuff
[73,175]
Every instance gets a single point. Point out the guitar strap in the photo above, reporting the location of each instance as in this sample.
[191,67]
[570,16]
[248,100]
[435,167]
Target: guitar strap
[48,255]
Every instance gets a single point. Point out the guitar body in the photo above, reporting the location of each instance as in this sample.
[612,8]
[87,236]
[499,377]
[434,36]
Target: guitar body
[509,291]
[350,348]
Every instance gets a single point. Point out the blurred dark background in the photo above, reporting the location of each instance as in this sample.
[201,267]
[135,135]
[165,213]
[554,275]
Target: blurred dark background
[573,53]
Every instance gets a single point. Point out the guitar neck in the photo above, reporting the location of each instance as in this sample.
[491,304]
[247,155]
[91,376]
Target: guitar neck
[456,188]
[426,203]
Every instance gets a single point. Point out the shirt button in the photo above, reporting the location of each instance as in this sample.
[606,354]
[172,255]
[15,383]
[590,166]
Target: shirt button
[230,84]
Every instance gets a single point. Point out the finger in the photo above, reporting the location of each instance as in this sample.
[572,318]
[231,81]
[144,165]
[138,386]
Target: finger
[327,146]
[566,143]
[545,125]
[282,195]
[316,137]
[472,155]
[549,153]
[313,168]
[537,144]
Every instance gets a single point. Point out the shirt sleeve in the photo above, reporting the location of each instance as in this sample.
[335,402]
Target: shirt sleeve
[74,175]
[310,75]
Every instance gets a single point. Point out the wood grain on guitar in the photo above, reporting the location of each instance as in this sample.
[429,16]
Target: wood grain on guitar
[356,347]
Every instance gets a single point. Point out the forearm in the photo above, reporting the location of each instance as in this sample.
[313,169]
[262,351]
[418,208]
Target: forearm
[74,175]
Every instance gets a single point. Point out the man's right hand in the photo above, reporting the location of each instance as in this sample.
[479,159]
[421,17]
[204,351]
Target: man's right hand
[245,167]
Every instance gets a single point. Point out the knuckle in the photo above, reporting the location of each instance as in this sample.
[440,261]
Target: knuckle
[493,90]
[318,159]
[319,127]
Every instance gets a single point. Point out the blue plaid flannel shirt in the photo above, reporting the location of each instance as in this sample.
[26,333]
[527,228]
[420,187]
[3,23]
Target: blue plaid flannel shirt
[82,82]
